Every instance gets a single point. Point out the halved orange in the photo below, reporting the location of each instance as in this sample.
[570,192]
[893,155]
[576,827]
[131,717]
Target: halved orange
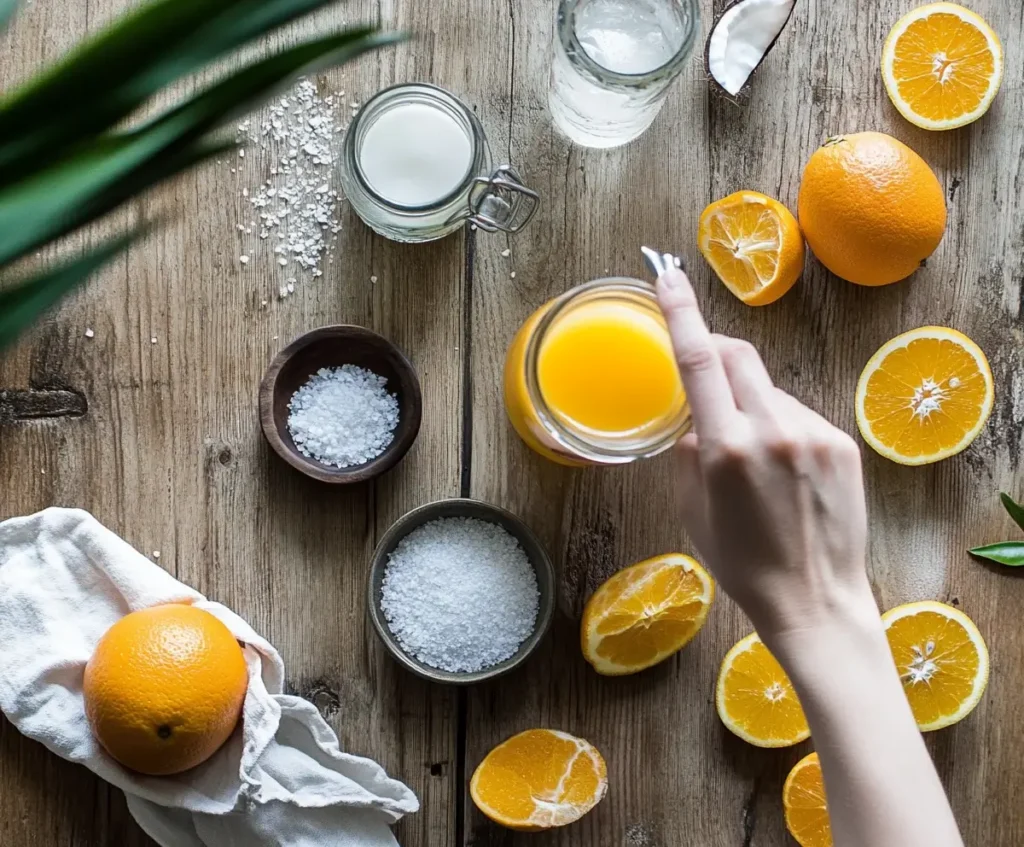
[942,65]
[645,613]
[924,396]
[539,779]
[942,660]
[754,244]
[755,698]
[803,799]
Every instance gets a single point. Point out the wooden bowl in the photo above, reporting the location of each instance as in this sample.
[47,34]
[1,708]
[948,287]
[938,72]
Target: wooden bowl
[461,507]
[331,347]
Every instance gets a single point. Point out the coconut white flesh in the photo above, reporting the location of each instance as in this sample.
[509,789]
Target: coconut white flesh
[742,37]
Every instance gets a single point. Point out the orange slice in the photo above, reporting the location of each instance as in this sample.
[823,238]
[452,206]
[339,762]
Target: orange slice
[942,66]
[645,613]
[539,779]
[803,799]
[924,396]
[754,244]
[942,660]
[755,698]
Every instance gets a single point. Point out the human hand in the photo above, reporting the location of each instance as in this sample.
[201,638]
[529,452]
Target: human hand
[772,494]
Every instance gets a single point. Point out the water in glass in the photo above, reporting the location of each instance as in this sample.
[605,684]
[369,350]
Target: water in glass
[613,61]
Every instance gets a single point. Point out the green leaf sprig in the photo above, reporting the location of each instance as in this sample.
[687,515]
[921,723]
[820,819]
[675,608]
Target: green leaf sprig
[1009,553]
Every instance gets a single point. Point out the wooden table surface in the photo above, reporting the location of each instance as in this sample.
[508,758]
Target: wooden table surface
[169,453]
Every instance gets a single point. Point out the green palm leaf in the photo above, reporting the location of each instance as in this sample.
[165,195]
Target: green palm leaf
[112,169]
[62,164]
[21,304]
[7,8]
[110,75]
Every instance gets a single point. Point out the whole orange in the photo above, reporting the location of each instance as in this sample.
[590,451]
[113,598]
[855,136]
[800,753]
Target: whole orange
[164,688]
[871,209]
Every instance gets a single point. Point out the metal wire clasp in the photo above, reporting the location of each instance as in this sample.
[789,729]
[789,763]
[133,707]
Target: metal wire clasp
[502,202]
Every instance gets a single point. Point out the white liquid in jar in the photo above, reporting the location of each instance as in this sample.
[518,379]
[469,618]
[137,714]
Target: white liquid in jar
[415,154]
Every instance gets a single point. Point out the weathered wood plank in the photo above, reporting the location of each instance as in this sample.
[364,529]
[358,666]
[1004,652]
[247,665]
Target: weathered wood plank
[676,776]
[170,452]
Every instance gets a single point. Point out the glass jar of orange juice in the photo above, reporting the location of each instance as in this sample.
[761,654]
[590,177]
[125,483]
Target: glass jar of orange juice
[591,377]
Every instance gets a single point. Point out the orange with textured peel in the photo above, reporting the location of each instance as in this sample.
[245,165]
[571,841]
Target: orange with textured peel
[803,799]
[871,209]
[645,613]
[942,660]
[942,65]
[539,779]
[924,396]
[164,688]
[755,698]
[754,245]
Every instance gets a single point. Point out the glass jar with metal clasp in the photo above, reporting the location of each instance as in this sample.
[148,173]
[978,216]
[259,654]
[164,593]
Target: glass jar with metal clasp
[416,166]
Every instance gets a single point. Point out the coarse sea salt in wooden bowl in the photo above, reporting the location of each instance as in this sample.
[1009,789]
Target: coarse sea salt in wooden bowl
[462,508]
[334,347]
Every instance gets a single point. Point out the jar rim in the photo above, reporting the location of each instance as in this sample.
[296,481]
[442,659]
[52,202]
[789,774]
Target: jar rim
[446,98]
[602,451]
[567,35]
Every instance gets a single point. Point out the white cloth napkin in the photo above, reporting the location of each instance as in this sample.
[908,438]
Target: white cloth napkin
[280,781]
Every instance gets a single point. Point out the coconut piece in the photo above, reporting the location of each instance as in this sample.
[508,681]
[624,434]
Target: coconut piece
[741,38]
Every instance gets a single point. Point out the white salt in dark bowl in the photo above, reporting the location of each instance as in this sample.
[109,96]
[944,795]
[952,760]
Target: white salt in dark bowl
[462,508]
[333,347]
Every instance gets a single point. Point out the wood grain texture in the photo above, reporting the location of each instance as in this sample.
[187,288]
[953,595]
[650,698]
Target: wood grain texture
[170,454]
[162,441]
[676,777]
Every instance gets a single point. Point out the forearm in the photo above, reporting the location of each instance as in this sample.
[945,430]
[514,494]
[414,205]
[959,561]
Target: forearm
[882,787]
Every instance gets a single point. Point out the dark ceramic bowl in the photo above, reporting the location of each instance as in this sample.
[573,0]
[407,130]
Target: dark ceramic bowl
[333,346]
[462,508]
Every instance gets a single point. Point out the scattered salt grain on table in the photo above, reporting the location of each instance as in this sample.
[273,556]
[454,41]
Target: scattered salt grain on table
[343,416]
[298,137]
[460,594]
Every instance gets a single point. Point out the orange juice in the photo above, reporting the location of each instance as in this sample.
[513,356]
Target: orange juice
[591,377]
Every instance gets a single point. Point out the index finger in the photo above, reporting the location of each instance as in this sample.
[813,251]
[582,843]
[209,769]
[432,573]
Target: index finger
[707,386]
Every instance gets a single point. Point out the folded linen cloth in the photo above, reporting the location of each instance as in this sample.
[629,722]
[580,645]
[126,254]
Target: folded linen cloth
[280,779]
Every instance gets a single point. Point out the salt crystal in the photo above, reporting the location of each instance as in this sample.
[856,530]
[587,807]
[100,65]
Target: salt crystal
[244,260]
[152,340]
[512,275]
[460,594]
[343,416]
[506,252]
[297,204]
[89,333]
[156,554]
[373,279]
[241,154]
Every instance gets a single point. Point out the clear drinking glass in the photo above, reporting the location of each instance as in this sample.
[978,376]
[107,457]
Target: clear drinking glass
[613,63]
